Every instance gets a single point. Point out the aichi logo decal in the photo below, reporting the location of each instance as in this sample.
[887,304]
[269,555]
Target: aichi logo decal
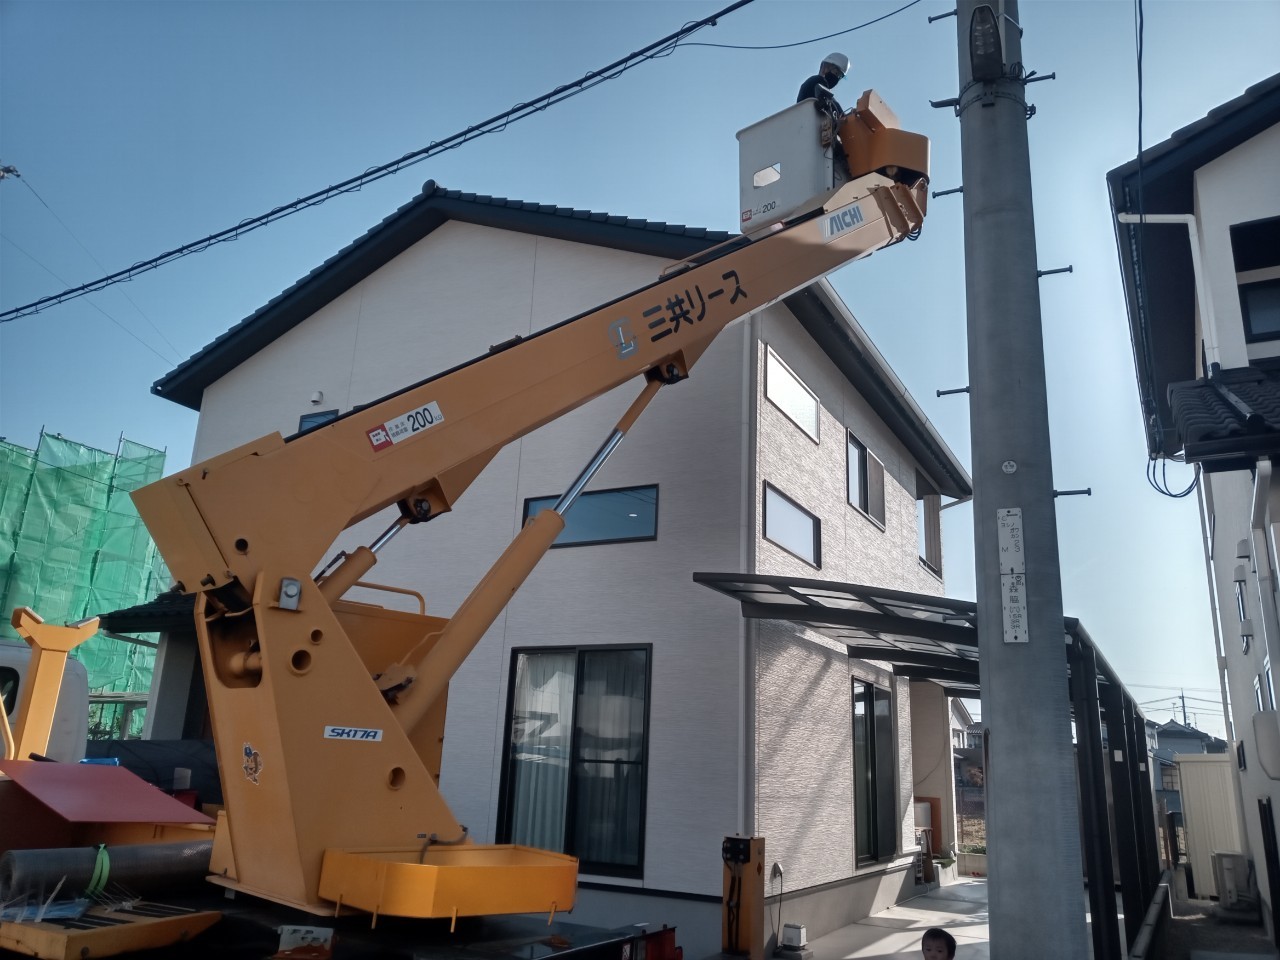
[842,221]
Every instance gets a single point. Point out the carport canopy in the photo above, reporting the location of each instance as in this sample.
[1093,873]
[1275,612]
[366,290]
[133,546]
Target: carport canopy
[922,637]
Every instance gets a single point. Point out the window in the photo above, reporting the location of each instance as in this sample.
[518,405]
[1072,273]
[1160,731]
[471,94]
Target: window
[1269,693]
[788,393]
[1169,777]
[9,689]
[1260,308]
[576,756]
[865,488]
[1257,691]
[929,525]
[1255,248]
[1241,607]
[309,420]
[792,527]
[604,516]
[874,796]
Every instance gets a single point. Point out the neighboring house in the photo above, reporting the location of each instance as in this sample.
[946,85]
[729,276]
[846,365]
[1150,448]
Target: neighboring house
[1203,295]
[617,710]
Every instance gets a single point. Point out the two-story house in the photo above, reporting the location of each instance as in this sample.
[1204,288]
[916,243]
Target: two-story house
[635,729]
[1198,231]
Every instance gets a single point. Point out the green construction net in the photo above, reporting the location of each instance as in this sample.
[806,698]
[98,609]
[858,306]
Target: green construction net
[72,546]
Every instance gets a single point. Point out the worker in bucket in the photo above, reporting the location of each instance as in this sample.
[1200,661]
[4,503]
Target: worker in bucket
[818,87]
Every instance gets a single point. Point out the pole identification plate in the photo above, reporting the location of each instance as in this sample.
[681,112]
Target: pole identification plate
[1013,576]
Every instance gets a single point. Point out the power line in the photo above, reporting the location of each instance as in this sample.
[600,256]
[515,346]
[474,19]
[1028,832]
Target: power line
[660,48]
[91,303]
[89,253]
[801,43]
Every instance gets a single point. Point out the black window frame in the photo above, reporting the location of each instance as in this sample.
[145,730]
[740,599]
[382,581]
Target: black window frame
[316,418]
[1250,335]
[878,813]
[929,522]
[870,494]
[503,826]
[547,501]
[816,562]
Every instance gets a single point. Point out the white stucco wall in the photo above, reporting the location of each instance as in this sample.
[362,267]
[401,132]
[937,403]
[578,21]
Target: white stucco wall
[1238,187]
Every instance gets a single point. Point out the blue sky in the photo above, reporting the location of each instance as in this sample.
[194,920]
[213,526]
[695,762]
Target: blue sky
[142,126]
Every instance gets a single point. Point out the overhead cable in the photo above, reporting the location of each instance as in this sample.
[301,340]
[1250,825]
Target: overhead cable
[501,121]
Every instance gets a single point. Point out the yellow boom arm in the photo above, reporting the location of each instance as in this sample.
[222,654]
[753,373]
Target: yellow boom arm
[327,715]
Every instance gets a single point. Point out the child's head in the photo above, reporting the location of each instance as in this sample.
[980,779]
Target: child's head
[937,944]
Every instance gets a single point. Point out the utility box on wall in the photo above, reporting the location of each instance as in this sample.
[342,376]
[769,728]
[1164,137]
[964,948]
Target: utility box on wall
[742,927]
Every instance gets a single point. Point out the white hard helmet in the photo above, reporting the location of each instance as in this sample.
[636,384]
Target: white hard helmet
[837,60]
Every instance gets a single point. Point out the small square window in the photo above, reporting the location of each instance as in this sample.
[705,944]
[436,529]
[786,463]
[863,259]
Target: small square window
[792,527]
[310,420]
[1260,308]
[788,393]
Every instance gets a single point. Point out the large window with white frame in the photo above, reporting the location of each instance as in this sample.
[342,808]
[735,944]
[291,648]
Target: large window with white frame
[788,393]
[792,527]
[576,755]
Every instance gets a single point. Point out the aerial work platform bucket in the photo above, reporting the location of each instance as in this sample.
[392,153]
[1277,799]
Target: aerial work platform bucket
[467,880]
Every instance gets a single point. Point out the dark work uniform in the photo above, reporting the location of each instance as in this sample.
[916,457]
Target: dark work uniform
[815,89]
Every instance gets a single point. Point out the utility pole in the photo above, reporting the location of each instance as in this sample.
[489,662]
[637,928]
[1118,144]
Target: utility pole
[1037,901]
[1183,694]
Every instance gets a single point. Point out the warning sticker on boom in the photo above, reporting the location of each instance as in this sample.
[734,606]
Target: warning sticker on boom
[403,427]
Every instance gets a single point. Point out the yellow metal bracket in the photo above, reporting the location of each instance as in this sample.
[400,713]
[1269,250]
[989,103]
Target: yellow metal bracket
[38,698]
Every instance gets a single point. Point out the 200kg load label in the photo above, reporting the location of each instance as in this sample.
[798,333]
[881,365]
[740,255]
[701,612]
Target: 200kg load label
[405,426]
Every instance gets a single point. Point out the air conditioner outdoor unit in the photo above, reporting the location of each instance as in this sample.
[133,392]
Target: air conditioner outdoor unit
[1231,877]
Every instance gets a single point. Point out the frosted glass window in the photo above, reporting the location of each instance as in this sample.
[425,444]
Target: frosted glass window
[788,393]
[792,527]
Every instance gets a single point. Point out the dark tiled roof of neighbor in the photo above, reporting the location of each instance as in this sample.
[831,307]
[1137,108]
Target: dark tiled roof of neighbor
[1227,421]
[433,207]
[168,613]
[1162,320]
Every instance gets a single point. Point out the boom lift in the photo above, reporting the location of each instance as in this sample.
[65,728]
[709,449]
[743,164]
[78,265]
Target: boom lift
[327,714]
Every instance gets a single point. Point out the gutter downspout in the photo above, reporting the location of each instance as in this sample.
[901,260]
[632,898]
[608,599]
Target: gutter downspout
[1220,659]
[1208,322]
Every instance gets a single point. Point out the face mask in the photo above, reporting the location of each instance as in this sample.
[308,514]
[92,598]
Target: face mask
[830,79]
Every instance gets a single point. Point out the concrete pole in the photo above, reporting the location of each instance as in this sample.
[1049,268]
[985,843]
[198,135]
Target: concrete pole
[1037,901]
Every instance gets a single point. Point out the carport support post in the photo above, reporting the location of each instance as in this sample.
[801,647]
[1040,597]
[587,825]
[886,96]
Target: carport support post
[1105,926]
[1128,843]
[1033,823]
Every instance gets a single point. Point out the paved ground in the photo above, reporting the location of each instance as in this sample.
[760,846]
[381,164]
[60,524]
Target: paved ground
[960,908]
[1194,934]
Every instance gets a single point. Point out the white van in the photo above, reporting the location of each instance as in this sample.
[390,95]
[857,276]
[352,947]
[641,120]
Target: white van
[71,718]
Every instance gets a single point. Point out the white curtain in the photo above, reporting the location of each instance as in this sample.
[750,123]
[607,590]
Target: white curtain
[541,738]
